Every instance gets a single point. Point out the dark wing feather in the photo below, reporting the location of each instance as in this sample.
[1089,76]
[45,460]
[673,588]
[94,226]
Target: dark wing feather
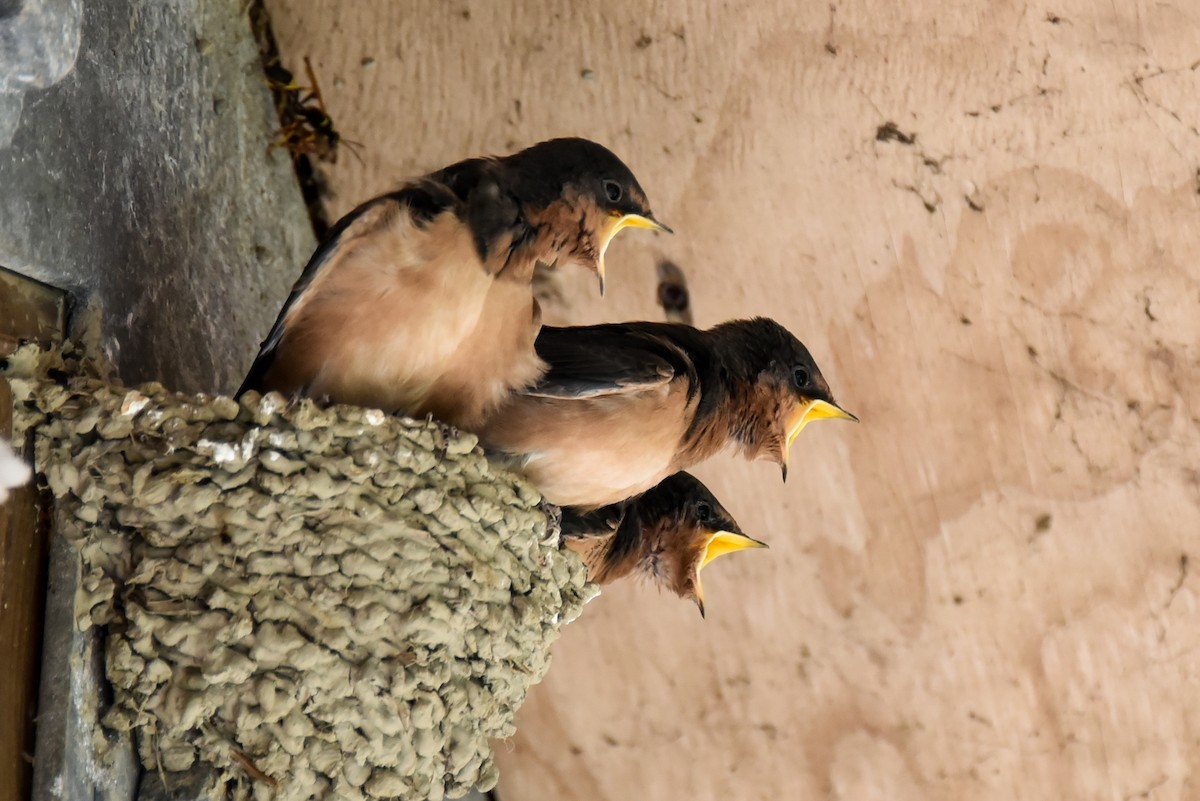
[581,525]
[595,360]
[491,210]
[423,199]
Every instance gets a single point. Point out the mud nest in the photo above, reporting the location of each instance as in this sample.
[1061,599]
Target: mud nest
[314,602]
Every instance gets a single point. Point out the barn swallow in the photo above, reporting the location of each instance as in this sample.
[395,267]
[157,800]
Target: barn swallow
[419,300]
[668,534]
[622,406]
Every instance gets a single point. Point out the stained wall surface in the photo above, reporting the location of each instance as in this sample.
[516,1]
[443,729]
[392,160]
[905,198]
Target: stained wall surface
[982,217]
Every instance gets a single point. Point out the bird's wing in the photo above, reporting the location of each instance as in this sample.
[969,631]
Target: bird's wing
[490,209]
[422,200]
[578,524]
[598,360]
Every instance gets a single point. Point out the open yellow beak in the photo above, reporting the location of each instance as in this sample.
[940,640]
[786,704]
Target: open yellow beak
[720,543]
[723,542]
[617,221]
[802,415]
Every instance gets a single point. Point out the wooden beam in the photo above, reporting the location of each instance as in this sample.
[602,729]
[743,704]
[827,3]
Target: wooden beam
[28,311]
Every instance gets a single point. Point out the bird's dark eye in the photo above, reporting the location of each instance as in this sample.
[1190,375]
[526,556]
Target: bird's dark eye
[613,190]
[703,512]
[800,376]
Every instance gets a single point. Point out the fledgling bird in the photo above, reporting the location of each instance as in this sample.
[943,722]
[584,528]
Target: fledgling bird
[419,300]
[624,405]
[668,534]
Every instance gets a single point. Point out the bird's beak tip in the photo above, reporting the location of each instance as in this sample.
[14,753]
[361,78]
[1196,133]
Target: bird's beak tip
[831,411]
[808,410]
[646,220]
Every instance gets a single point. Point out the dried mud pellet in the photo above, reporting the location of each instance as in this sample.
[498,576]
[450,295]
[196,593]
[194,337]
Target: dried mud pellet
[178,758]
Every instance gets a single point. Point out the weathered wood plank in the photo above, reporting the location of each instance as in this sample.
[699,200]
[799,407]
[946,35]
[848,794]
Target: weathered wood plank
[28,311]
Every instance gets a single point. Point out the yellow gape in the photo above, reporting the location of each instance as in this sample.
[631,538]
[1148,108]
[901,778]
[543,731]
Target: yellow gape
[616,221]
